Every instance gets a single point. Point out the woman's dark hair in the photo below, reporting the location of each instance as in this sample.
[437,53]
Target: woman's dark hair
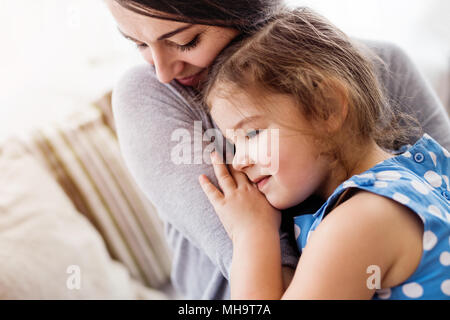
[246,16]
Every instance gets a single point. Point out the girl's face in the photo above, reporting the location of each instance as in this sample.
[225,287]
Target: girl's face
[179,51]
[287,158]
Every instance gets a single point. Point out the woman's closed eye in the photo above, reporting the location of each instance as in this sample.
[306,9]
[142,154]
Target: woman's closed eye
[191,44]
[141,45]
[185,47]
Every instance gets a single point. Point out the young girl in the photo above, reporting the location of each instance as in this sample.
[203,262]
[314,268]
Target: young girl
[383,231]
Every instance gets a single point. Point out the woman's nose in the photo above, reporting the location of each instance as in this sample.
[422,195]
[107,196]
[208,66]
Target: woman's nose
[167,67]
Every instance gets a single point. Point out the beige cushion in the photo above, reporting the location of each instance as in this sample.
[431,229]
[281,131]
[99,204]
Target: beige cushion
[42,235]
[83,155]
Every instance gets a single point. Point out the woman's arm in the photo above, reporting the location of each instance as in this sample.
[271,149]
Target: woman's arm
[408,89]
[147,113]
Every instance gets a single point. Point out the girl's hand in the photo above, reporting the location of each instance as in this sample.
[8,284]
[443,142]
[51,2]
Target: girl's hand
[241,207]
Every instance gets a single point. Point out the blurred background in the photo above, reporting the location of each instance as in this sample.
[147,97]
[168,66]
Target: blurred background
[58,55]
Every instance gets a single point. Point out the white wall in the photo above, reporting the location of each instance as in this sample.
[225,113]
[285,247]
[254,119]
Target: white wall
[58,55]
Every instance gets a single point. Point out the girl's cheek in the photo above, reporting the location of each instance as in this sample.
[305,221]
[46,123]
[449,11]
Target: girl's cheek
[268,150]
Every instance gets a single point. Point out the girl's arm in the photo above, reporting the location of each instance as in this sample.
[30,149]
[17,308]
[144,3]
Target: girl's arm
[366,234]
[256,267]
[253,225]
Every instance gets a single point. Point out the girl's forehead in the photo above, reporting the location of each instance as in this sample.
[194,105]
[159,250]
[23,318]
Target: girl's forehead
[242,110]
[233,106]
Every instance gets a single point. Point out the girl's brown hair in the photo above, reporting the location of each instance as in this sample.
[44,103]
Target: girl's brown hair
[301,54]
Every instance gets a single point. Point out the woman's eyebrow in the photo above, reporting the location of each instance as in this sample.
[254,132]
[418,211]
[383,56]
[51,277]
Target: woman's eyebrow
[174,32]
[127,36]
[164,36]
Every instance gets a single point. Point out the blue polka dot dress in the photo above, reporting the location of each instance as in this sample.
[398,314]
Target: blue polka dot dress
[419,180]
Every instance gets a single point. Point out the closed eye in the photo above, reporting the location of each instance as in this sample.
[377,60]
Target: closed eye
[185,47]
[253,133]
[141,45]
[191,44]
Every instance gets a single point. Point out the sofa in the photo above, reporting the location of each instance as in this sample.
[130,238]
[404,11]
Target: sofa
[73,224]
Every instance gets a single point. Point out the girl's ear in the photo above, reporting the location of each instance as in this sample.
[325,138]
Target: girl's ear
[337,103]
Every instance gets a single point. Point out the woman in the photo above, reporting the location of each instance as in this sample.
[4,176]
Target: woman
[180,40]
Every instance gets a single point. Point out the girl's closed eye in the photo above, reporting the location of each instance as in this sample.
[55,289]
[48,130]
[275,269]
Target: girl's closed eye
[253,133]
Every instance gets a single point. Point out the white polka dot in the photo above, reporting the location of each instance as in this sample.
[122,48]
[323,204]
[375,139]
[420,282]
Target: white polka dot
[388,175]
[407,154]
[446,153]
[445,287]
[420,187]
[349,184]
[448,216]
[444,258]
[433,157]
[380,184]
[433,178]
[412,290]
[427,136]
[384,293]
[435,211]
[366,176]
[429,240]
[446,182]
[297,231]
[400,198]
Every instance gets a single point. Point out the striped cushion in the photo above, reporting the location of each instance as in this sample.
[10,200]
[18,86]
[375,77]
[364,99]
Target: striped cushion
[83,155]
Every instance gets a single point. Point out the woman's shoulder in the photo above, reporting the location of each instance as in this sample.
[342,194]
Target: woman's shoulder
[388,51]
[139,85]
[139,100]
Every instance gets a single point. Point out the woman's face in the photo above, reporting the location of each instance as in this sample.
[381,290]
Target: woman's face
[178,50]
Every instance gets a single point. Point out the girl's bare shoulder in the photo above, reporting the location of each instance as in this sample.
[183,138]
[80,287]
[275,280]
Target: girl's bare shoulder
[389,229]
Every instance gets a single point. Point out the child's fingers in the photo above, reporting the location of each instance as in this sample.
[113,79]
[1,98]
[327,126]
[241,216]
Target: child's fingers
[209,189]
[225,179]
[238,176]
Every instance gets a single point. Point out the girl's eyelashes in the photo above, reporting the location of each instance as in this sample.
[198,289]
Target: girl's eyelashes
[253,133]
[185,47]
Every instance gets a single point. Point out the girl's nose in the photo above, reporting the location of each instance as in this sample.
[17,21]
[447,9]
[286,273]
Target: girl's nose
[241,159]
